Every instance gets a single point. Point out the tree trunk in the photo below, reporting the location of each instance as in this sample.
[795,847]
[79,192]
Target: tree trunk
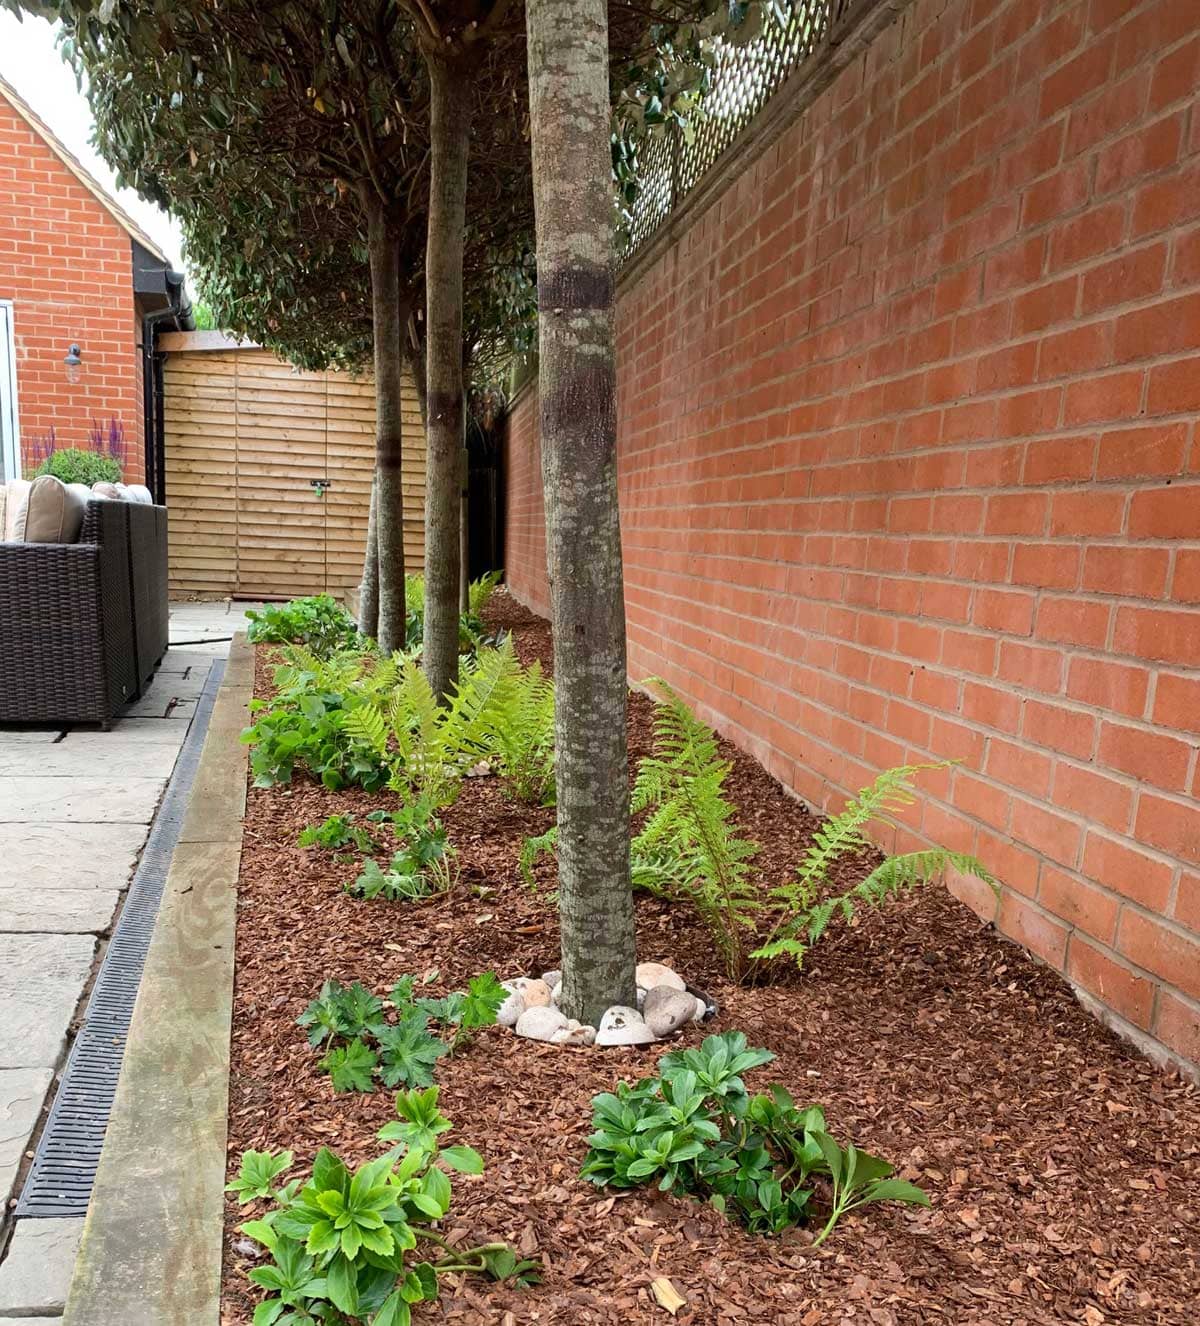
[389,315]
[449,136]
[569,113]
[368,589]
[464,535]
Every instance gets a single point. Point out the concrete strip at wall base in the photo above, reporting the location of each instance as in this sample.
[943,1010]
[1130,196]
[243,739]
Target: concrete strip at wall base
[151,1248]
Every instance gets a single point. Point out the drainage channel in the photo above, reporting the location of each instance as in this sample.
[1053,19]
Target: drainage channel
[64,1165]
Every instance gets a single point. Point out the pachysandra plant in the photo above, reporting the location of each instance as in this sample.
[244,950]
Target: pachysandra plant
[360,1043]
[342,1243]
[695,1129]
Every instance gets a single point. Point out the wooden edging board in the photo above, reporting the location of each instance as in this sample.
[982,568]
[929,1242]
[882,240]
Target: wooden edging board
[150,1254]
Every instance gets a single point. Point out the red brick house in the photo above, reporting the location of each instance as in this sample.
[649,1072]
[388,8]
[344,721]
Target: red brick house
[78,279]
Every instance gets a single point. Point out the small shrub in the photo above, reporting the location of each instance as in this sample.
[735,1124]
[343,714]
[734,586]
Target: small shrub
[305,723]
[318,621]
[423,866]
[336,832]
[696,1129]
[73,465]
[359,1041]
[339,1243]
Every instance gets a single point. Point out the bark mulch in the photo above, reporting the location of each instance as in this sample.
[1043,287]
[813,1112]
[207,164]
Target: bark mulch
[1062,1167]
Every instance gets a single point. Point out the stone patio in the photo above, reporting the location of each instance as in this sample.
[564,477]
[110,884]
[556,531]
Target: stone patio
[76,806]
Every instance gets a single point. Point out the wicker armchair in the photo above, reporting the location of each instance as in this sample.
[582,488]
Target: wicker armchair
[83,625]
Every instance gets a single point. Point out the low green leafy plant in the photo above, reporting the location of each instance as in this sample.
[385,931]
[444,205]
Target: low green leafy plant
[74,465]
[337,832]
[423,867]
[470,623]
[695,1129]
[317,621]
[339,1243]
[306,723]
[360,1042]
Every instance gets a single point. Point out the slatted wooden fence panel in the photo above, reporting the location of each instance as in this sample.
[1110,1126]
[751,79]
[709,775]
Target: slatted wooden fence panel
[246,436]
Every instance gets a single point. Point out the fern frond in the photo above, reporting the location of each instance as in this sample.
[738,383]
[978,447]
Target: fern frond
[366,724]
[532,849]
[481,590]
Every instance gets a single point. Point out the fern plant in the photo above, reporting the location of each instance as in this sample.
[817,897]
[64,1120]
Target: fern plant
[690,845]
[689,848]
[479,592]
[523,741]
[805,908]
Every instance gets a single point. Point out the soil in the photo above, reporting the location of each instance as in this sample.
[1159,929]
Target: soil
[1062,1166]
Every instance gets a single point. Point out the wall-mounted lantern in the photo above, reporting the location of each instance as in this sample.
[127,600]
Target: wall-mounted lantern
[74,362]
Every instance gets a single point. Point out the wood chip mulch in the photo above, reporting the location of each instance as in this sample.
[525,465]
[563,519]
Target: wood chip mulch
[1064,1169]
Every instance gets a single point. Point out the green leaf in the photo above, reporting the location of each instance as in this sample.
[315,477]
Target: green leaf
[894,1190]
[351,1067]
[465,1159]
[267,1311]
[342,1283]
[395,1312]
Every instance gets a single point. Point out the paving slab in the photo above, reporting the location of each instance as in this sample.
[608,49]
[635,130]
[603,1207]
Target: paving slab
[35,1275]
[184,660]
[22,1091]
[41,979]
[44,858]
[96,754]
[61,912]
[138,729]
[22,736]
[36,800]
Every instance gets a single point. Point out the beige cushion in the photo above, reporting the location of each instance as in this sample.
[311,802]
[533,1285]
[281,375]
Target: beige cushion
[17,490]
[105,489]
[136,492]
[53,512]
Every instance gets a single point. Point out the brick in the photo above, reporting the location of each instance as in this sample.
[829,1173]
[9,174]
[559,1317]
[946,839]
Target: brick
[1111,981]
[1130,571]
[1187,901]
[1165,513]
[1150,756]
[1115,686]
[1040,933]
[1004,611]
[1071,731]
[1171,826]
[1089,513]
[1185,583]
[1073,621]
[1157,450]
[1046,565]
[1059,460]
[1078,903]
[1177,1025]
[1092,794]
[1148,149]
[1167,327]
[1162,636]
[1174,388]
[1104,399]
[1126,870]
[1158,948]
[1177,702]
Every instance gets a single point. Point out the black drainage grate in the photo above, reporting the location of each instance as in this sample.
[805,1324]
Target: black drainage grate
[64,1167]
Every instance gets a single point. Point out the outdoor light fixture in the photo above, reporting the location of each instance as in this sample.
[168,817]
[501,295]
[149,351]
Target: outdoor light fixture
[74,362]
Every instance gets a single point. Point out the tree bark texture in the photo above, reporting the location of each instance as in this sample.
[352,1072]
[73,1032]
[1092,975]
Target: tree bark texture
[464,534]
[569,113]
[389,316]
[368,589]
[449,131]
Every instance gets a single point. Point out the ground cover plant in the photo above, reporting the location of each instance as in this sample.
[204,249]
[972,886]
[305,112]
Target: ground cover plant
[361,1042]
[695,1129]
[1060,1165]
[318,621]
[339,1243]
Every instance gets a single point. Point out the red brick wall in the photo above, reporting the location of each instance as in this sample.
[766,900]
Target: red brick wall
[67,266]
[910,470]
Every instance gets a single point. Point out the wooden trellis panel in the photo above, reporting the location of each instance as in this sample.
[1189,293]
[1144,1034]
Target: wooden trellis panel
[247,438]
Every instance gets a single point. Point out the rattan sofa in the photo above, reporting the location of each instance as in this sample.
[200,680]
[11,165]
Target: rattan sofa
[83,625]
